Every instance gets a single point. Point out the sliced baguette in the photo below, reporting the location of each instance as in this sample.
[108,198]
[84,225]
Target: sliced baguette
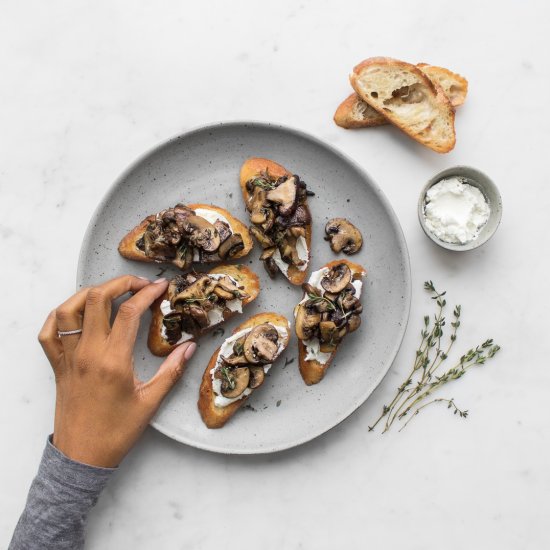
[313,371]
[244,276]
[353,112]
[216,417]
[251,168]
[408,99]
[128,247]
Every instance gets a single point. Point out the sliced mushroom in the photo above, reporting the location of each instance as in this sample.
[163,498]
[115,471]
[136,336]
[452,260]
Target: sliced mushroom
[343,236]
[271,267]
[234,381]
[202,234]
[269,220]
[224,231]
[197,291]
[306,320]
[261,237]
[310,289]
[238,346]
[328,332]
[289,254]
[231,246]
[297,231]
[257,206]
[235,360]
[199,316]
[260,345]
[172,327]
[285,196]
[354,322]
[257,376]
[348,301]
[268,252]
[337,278]
[184,256]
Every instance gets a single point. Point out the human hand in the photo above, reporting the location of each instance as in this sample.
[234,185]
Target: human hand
[101,407]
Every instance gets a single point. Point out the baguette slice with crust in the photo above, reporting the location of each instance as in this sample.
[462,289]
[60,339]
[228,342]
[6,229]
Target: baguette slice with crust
[313,371]
[408,99]
[216,417]
[353,112]
[128,248]
[244,276]
[253,167]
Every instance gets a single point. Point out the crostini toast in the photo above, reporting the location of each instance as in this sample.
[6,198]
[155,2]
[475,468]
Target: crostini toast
[192,305]
[405,95]
[238,367]
[281,221]
[329,311]
[187,234]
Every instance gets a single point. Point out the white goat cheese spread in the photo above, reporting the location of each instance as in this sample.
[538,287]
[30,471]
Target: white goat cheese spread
[226,350]
[455,211]
[210,216]
[303,254]
[313,351]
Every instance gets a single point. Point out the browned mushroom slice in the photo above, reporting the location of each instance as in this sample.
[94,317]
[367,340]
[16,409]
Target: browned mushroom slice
[184,256]
[307,319]
[268,252]
[285,196]
[172,327]
[257,376]
[271,267]
[257,204]
[235,360]
[234,381]
[231,246]
[289,254]
[199,316]
[343,236]
[261,237]
[328,332]
[260,345]
[224,231]
[354,322]
[310,290]
[202,234]
[337,278]
[197,291]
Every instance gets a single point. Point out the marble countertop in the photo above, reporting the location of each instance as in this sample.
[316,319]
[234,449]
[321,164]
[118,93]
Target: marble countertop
[88,86]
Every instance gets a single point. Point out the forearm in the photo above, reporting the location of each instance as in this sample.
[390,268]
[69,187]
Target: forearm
[60,497]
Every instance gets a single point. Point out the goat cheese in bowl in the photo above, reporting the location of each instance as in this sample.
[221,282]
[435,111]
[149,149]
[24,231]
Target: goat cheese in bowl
[460,208]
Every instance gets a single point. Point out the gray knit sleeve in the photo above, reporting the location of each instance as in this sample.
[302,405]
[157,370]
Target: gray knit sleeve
[60,497]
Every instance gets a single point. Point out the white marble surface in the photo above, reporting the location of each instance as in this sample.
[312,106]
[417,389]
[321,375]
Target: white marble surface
[88,86]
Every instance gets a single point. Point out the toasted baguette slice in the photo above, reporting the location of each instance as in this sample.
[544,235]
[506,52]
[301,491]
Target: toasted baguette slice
[313,371]
[408,99]
[244,276]
[353,112]
[251,168]
[212,415]
[128,247]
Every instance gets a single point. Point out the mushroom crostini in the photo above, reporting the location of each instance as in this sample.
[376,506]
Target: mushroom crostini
[239,366]
[184,235]
[330,309]
[197,302]
[276,201]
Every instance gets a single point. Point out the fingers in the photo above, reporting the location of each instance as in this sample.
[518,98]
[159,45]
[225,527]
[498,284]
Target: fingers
[169,373]
[50,342]
[126,325]
[69,317]
[98,303]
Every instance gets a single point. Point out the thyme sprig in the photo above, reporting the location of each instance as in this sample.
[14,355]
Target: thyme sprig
[424,378]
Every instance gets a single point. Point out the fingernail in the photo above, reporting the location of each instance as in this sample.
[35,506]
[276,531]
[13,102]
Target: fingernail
[190,351]
[143,278]
[161,280]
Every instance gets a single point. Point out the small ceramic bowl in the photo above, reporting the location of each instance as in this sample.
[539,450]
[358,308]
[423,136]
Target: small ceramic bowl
[490,192]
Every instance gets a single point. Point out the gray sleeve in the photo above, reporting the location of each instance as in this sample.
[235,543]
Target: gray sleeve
[60,497]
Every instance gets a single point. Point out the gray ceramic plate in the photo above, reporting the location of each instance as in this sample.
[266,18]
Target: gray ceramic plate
[203,166]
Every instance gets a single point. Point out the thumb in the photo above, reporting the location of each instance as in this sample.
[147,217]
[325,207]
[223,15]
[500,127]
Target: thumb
[169,372]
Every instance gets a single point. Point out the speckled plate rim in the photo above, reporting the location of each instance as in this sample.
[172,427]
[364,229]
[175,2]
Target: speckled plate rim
[394,222]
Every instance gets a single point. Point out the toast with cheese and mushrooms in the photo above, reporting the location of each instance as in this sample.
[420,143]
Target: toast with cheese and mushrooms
[276,201]
[187,234]
[195,303]
[353,112]
[405,95]
[239,366]
[329,310]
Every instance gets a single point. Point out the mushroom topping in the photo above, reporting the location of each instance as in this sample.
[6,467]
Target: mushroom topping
[336,279]
[268,252]
[202,234]
[262,238]
[260,345]
[307,318]
[223,229]
[197,291]
[354,322]
[231,246]
[271,267]
[234,381]
[184,256]
[172,327]
[257,376]
[285,196]
[310,290]
[235,360]
[343,236]
[199,316]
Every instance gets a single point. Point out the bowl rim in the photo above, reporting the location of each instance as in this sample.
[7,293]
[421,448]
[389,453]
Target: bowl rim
[480,180]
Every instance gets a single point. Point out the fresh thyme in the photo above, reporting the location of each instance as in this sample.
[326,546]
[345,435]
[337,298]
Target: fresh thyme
[432,352]
[230,380]
[318,299]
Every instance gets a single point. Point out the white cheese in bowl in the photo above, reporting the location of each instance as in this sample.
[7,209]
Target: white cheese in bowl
[455,211]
